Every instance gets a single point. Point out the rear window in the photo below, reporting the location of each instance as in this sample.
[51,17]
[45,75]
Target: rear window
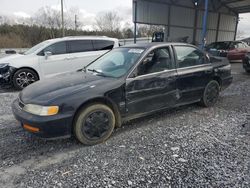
[103,44]
[80,46]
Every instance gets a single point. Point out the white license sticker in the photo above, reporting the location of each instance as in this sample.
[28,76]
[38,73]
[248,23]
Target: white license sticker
[136,51]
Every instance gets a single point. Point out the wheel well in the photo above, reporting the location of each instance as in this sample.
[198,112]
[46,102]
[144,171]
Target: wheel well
[104,101]
[26,68]
[218,79]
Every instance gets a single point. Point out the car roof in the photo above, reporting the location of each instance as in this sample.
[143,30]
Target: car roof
[82,38]
[227,41]
[153,44]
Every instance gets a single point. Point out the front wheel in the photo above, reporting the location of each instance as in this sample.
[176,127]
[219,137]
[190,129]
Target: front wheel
[94,124]
[24,77]
[211,94]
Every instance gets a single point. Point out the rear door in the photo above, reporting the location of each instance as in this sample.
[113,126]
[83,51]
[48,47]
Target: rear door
[152,84]
[194,72]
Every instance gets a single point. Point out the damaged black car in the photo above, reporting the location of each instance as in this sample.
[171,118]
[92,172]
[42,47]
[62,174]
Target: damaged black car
[126,83]
[5,74]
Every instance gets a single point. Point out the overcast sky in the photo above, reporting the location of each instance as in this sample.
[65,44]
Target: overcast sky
[88,9]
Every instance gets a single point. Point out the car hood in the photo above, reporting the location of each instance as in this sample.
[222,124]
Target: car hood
[7,59]
[47,90]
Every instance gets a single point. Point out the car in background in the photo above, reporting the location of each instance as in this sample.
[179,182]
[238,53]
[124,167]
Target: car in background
[233,50]
[52,57]
[127,83]
[246,63]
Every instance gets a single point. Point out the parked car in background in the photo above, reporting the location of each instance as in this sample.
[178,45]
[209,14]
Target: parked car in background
[53,57]
[233,50]
[246,63]
[126,83]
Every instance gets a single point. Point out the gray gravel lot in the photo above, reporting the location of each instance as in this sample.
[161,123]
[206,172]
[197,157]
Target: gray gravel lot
[188,146]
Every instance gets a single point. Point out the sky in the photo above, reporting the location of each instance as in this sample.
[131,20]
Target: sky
[88,10]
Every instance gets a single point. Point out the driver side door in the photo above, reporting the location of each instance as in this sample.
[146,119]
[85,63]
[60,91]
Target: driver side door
[152,84]
[58,62]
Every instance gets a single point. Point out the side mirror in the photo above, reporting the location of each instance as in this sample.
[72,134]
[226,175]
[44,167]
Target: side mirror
[47,54]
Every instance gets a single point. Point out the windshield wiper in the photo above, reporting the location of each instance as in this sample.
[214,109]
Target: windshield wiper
[96,71]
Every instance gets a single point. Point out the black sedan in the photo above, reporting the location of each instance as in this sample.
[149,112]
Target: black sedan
[126,83]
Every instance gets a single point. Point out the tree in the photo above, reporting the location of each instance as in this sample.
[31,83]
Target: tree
[108,21]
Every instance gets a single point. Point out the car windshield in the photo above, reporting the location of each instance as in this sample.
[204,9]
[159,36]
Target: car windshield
[36,47]
[116,63]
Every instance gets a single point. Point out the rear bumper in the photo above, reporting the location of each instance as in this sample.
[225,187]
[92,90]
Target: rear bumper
[49,126]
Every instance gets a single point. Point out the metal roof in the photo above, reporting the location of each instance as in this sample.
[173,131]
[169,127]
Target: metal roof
[238,6]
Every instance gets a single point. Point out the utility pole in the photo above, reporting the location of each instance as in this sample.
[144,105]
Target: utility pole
[63,32]
[75,22]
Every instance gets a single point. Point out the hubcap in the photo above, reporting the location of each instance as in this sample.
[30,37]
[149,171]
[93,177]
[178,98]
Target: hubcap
[96,125]
[212,94]
[24,79]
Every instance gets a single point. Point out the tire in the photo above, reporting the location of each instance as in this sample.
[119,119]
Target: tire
[247,71]
[24,77]
[94,124]
[210,94]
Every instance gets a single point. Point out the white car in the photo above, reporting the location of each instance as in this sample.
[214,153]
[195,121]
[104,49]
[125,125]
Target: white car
[53,57]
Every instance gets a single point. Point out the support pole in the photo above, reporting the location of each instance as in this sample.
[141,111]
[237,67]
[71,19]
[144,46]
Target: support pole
[204,26]
[63,32]
[236,27]
[75,22]
[135,20]
[218,27]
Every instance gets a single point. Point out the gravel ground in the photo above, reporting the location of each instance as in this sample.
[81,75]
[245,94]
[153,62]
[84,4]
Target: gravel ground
[188,146]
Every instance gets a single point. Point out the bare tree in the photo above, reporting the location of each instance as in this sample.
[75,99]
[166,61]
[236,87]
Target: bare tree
[108,21]
[48,17]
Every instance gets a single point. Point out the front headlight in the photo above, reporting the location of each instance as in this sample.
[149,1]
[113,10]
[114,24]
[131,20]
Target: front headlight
[3,65]
[41,110]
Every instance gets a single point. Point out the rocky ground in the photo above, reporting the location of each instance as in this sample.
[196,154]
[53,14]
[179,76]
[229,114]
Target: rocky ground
[188,146]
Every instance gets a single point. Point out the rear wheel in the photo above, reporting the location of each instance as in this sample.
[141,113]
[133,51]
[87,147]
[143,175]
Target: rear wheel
[94,124]
[211,94]
[24,77]
[247,71]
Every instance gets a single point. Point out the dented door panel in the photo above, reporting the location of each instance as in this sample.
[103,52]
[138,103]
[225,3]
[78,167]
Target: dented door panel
[150,92]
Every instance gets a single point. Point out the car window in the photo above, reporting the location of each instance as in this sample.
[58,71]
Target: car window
[219,45]
[55,49]
[241,45]
[156,61]
[103,44]
[76,46]
[188,56]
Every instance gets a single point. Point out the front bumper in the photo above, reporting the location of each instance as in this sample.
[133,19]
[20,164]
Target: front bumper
[49,126]
[6,75]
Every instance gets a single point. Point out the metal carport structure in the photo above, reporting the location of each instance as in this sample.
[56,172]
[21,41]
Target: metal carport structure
[213,20]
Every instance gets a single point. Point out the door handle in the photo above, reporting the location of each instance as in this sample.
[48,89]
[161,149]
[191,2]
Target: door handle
[70,58]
